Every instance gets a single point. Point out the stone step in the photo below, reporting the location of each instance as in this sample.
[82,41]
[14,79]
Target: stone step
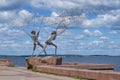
[81,73]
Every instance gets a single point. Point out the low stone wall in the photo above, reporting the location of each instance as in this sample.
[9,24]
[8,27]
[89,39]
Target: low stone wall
[88,66]
[81,73]
[4,62]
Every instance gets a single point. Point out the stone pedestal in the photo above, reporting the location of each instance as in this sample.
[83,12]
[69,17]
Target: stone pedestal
[4,62]
[49,60]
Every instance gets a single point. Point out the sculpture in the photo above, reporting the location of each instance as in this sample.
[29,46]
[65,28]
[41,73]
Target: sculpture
[61,25]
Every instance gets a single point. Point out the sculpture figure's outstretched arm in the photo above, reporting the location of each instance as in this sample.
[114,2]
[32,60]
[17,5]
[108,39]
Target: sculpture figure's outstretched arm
[62,26]
[61,30]
[38,32]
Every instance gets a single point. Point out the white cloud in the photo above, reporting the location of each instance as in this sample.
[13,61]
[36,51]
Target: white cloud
[15,33]
[104,20]
[27,42]
[54,14]
[98,33]
[13,45]
[8,42]
[3,29]
[11,4]
[80,37]
[65,4]
[104,38]
[113,32]
[52,4]
[97,42]
[87,32]
[24,18]
[108,20]
[15,18]
[6,16]
[10,36]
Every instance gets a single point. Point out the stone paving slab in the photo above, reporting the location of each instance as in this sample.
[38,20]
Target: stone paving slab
[20,73]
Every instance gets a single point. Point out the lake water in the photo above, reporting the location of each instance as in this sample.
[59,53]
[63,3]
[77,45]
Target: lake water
[20,60]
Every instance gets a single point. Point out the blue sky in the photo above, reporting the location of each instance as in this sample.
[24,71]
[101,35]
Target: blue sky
[96,30]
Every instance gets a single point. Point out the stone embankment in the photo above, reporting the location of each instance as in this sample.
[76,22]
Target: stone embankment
[54,65]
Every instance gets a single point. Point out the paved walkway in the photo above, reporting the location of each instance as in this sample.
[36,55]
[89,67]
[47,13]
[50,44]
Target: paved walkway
[21,73]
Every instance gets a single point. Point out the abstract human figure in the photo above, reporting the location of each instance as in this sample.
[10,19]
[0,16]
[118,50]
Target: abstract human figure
[35,37]
[49,41]
[53,36]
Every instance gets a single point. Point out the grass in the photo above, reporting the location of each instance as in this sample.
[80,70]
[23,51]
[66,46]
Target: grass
[11,66]
[78,78]
[34,70]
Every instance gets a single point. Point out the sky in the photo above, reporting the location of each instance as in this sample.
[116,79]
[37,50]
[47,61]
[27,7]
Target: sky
[95,29]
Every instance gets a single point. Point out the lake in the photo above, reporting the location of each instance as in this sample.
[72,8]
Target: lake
[20,60]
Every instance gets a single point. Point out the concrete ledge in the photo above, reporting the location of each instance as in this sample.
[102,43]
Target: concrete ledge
[4,62]
[81,73]
[89,66]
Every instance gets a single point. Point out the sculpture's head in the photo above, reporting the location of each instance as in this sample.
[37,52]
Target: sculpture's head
[33,32]
[54,32]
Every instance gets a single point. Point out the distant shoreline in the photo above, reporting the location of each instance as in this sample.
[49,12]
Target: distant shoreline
[57,55]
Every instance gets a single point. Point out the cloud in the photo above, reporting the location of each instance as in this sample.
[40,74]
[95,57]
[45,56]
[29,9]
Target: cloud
[82,6]
[16,33]
[10,44]
[7,33]
[67,4]
[24,18]
[96,33]
[15,18]
[113,32]
[98,45]
[11,4]
[3,29]
[87,32]
[27,42]
[96,42]
[6,16]
[54,14]
[80,37]
[108,20]
[7,42]
[104,38]
[52,4]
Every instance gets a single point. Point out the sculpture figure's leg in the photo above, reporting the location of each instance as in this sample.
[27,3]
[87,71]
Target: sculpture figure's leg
[33,49]
[55,48]
[43,49]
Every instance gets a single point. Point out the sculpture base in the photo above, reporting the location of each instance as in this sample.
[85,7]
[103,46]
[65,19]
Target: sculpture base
[49,60]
